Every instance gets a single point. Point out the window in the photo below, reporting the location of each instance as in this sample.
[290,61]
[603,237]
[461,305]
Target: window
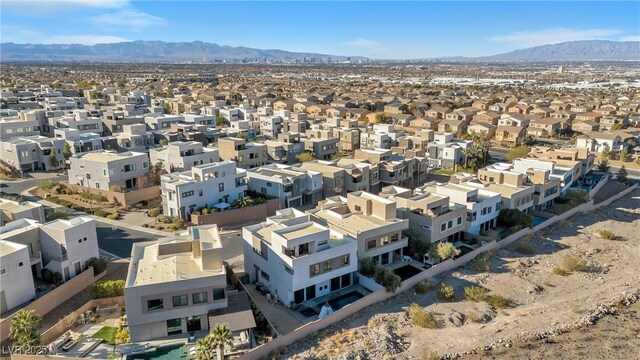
[112,171]
[3,271]
[395,237]
[450,224]
[498,206]
[385,240]
[155,304]
[345,260]
[371,244]
[104,172]
[314,269]
[328,265]
[180,300]
[200,192]
[357,208]
[426,227]
[459,221]
[221,187]
[145,164]
[174,326]
[199,298]
[269,184]
[187,194]
[264,275]
[20,264]
[443,227]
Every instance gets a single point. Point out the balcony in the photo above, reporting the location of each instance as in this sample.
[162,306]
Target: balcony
[36,258]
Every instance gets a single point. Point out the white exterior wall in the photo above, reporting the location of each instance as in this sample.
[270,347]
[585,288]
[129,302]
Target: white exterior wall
[17,282]
[104,174]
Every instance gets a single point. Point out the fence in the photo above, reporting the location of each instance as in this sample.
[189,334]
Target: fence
[381,295]
[599,185]
[53,299]
[54,332]
[128,198]
[252,214]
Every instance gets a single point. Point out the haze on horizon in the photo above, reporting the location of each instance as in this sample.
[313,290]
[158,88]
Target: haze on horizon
[379,30]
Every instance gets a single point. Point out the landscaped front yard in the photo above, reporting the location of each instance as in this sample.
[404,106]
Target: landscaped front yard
[108,334]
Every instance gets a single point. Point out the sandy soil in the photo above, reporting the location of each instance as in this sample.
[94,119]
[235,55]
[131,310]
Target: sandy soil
[542,305]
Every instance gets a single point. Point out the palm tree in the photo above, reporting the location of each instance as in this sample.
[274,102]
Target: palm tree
[24,328]
[205,348]
[221,337]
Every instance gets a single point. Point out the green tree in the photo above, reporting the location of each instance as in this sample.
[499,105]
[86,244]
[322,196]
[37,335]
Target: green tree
[221,338]
[66,151]
[622,174]
[205,348]
[624,155]
[603,165]
[528,140]
[221,121]
[514,217]
[305,156]
[606,151]
[616,126]
[445,250]
[518,152]
[53,160]
[24,328]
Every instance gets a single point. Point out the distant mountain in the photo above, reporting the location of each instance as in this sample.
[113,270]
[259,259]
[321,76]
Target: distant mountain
[150,51]
[587,50]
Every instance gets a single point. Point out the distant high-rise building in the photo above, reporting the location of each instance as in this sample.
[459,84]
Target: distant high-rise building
[560,70]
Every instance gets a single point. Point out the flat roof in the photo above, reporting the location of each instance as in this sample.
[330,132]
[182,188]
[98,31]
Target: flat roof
[8,247]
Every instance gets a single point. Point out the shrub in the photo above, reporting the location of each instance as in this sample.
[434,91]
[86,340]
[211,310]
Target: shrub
[101,213]
[179,223]
[607,234]
[47,275]
[154,212]
[421,317]
[524,247]
[446,292]
[445,250]
[105,289]
[391,281]
[482,263]
[559,271]
[58,214]
[429,355]
[497,301]
[145,225]
[123,336]
[475,293]
[116,202]
[99,265]
[423,287]
[160,227]
[163,219]
[117,188]
[378,274]
[205,211]
[46,184]
[93,197]
[56,278]
[474,317]
[113,216]
[573,263]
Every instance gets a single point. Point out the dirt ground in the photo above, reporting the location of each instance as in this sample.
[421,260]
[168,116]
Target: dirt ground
[116,270]
[548,315]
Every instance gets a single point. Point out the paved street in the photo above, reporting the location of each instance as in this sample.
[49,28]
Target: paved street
[16,187]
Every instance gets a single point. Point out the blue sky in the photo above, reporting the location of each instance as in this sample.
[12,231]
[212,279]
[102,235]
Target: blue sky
[398,30]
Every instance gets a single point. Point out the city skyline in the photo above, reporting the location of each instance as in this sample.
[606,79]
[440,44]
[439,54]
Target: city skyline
[444,29]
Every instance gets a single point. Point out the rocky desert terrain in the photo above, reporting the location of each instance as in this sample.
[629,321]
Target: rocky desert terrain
[569,293]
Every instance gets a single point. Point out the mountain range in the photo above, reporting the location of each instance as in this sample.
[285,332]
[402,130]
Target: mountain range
[160,51]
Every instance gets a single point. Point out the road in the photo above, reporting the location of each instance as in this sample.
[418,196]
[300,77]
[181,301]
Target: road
[16,187]
[119,241]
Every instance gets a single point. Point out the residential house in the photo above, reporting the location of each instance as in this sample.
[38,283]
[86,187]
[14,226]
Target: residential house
[12,210]
[246,155]
[294,187]
[105,169]
[510,136]
[32,153]
[182,155]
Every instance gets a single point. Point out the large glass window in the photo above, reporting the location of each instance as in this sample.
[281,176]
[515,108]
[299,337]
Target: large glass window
[218,293]
[180,300]
[199,298]
[371,244]
[174,326]
[155,304]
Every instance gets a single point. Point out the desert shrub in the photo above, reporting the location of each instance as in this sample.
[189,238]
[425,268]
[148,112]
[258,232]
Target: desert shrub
[607,234]
[117,188]
[163,219]
[101,213]
[178,222]
[523,247]
[446,250]
[497,301]
[145,225]
[46,184]
[378,274]
[446,292]
[105,289]
[99,265]
[474,317]
[429,355]
[573,263]
[58,214]
[482,263]
[116,202]
[423,287]
[154,212]
[421,317]
[123,336]
[160,227]
[475,293]
[559,271]
[56,278]
[47,275]
[113,216]
[391,281]
[93,197]
[205,211]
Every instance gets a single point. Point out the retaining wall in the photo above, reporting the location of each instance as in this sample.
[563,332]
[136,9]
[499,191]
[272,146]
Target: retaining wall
[128,198]
[253,214]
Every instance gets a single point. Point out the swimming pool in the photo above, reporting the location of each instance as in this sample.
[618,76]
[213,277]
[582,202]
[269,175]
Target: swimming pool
[344,300]
[169,352]
[407,271]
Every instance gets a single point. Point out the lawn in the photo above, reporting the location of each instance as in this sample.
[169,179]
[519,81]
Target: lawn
[445,172]
[108,334]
